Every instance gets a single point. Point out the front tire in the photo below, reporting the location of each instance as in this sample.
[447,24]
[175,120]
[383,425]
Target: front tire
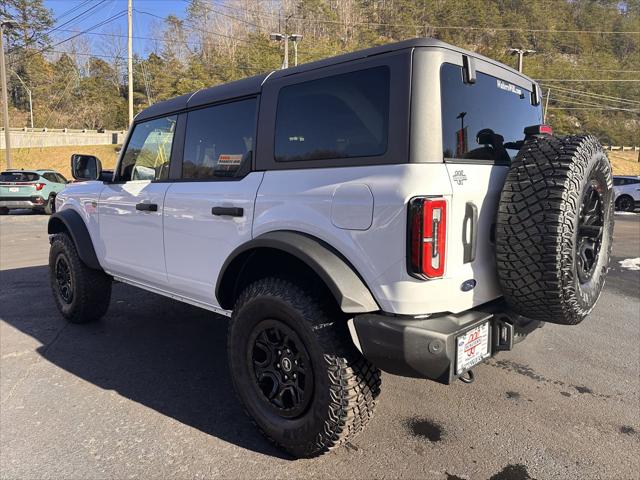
[81,294]
[625,203]
[295,369]
[4,211]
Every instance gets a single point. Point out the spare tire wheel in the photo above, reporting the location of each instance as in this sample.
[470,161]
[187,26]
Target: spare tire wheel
[554,228]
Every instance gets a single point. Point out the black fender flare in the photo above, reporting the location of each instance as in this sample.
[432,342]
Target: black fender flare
[71,221]
[349,290]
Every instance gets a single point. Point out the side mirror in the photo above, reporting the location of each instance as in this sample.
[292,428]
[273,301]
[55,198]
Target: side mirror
[85,167]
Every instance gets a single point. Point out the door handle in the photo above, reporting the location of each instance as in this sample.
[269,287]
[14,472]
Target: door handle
[147,207]
[470,223]
[228,211]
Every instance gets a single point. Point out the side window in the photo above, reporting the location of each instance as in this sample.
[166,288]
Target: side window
[50,177]
[61,179]
[342,116]
[617,182]
[219,140]
[148,151]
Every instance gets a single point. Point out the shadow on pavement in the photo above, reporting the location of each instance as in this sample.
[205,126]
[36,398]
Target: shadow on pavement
[163,354]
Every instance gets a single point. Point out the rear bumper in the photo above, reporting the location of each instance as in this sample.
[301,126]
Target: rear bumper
[426,348]
[22,202]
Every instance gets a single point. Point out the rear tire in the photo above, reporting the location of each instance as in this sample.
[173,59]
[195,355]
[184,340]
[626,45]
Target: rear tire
[50,206]
[4,211]
[554,228]
[82,294]
[295,369]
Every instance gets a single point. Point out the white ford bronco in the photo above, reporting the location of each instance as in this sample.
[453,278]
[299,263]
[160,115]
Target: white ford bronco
[400,208]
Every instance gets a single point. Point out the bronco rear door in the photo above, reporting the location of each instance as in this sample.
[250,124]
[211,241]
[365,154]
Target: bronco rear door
[481,122]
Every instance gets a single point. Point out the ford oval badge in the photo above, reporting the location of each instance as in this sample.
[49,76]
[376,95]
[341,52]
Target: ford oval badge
[468,285]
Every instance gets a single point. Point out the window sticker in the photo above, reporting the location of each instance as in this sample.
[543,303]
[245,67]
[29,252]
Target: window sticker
[509,87]
[226,160]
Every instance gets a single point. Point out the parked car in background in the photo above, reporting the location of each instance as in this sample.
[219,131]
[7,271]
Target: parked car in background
[30,189]
[626,192]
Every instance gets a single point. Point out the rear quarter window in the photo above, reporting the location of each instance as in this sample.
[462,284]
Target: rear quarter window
[481,121]
[340,116]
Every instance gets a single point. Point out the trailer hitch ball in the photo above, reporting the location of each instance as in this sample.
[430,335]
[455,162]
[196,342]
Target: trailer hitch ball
[467,377]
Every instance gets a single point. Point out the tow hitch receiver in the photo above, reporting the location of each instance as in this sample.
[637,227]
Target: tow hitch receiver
[502,335]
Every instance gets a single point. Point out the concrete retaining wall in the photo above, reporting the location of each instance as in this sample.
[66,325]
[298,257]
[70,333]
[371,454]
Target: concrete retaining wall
[40,137]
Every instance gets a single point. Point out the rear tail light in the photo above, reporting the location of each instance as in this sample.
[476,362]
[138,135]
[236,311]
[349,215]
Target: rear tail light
[427,237]
[39,186]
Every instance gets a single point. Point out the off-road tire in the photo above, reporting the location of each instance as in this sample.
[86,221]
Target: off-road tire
[625,203]
[4,211]
[345,384]
[91,289]
[537,229]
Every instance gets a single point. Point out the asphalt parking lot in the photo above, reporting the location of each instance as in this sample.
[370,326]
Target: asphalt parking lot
[146,393]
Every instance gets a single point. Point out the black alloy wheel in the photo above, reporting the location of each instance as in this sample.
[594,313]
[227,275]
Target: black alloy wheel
[625,203]
[282,368]
[64,279]
[590,227]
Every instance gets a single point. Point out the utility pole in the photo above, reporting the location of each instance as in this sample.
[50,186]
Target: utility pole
[295,38]
[285,64]
[521,52]
[5,98]
[130,57]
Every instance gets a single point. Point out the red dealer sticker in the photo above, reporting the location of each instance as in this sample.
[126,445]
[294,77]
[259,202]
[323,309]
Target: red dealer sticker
[227,160]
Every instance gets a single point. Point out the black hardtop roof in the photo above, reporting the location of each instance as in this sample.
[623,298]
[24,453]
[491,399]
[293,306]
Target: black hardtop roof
[253,85]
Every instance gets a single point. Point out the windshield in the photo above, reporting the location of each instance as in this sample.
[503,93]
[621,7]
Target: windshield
[18,177]
[481,121]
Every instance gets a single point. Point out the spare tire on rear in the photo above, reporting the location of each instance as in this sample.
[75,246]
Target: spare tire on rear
[554,228]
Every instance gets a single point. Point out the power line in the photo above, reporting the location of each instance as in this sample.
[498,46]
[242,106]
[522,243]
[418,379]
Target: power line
[250,68]
[585,103]
[591,94]
[48,32]
[584,80]
[594,108]
[192,28]
[210,9]
[97,25]
[438,27]
[72,9]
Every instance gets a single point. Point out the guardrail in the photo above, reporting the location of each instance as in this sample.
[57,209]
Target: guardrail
[57,137]
[621,148]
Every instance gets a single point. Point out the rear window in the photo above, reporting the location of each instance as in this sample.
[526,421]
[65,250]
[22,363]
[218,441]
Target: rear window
[18,177]
[481,121]
[341,116]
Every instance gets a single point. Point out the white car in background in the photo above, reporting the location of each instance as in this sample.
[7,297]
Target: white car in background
[626,192]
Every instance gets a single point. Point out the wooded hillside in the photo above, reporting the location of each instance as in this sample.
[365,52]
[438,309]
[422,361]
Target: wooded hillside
[594,41]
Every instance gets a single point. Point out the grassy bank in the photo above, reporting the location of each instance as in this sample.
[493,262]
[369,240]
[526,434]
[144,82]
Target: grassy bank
[58,158]
[624,163]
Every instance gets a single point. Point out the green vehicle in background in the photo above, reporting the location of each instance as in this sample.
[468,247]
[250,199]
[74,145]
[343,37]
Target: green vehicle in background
[30,189]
